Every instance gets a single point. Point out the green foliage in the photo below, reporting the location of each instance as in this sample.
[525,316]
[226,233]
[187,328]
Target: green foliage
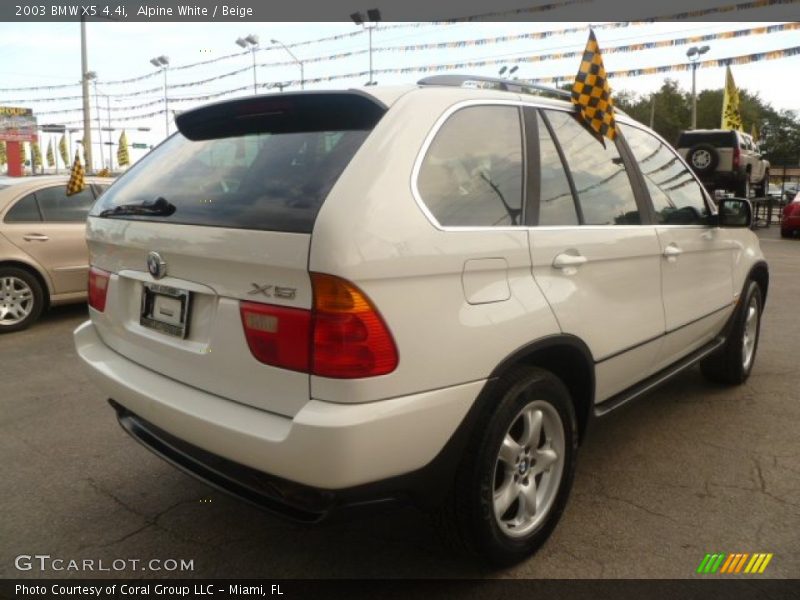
[779,130]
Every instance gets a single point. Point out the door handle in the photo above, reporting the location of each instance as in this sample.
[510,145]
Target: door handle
[35,237]
[566,260]
[672,251]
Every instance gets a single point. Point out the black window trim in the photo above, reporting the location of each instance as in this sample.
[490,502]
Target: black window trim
[567,171]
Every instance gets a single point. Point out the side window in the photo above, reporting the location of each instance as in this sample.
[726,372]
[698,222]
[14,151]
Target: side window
[57,207]
[24,211]
[472,173]
[601,181]
[676,195]
[556,203]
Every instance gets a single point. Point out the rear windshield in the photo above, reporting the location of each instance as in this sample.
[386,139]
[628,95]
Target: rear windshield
[268,181]
[718,139]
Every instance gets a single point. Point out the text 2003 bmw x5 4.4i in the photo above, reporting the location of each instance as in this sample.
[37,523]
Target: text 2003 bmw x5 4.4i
[328,299]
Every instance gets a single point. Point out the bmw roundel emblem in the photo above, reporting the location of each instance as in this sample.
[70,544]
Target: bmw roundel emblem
[156,265]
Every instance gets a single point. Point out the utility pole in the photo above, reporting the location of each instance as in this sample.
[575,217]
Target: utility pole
[652,109]
[110,140]
[87,117]
[693,54]
[99,124]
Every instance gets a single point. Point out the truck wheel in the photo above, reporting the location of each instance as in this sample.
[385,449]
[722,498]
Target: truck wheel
[703,158]
[743,188]
[517,470]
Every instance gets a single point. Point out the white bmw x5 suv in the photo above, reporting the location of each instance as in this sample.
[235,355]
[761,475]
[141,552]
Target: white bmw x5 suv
[323,300]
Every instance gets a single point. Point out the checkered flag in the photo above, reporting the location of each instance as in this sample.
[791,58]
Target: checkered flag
[76,183]
[122,150]
[592,94]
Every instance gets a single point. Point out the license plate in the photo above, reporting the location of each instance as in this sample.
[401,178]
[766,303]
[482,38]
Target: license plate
[165,309]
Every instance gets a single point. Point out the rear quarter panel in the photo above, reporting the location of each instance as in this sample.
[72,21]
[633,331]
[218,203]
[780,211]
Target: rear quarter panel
[372,232]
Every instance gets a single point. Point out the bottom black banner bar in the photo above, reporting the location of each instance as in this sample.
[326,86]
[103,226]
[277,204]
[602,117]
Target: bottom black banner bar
[280,589]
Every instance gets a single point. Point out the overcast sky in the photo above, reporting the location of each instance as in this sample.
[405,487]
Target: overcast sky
[49,54]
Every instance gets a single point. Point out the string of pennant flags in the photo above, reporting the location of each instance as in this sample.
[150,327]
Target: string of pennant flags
[627,48]
[711,63]
[455,44]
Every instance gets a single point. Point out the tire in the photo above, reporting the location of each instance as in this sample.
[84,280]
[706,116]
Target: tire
[703,158]
[743,187]
[498,469]
[763,187]
[21,299]
[733,363]
[785,233]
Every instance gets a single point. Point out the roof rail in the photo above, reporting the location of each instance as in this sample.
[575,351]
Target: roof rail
[506,85]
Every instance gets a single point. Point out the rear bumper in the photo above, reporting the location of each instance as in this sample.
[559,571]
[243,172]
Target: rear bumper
[790,223]
[325,446]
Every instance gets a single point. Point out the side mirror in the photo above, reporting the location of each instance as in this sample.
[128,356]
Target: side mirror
[735,212]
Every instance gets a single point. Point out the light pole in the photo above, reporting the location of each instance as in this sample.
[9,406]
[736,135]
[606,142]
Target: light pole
[87,117]
[251,42]
[162,62]
[92,76]
[297,60]
[372,20]
[693,54]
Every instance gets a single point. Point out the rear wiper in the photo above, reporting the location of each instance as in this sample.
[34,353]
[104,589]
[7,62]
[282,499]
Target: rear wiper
[157,207]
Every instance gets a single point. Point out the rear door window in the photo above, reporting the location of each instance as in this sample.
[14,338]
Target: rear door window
[718,139]
[57,207]
[601,181]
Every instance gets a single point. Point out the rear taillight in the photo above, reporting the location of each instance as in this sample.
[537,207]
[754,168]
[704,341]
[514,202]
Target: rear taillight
[98,288]
[342,336]
[277,335]
[350,338]
[736,157]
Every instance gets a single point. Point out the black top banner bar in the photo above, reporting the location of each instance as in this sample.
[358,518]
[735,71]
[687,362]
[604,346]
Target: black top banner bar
[394,10]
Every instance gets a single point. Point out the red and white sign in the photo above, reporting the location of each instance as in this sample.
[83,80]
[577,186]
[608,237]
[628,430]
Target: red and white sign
[17,125]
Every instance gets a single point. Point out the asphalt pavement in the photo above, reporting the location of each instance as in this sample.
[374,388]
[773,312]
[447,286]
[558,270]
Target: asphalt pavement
[691,469]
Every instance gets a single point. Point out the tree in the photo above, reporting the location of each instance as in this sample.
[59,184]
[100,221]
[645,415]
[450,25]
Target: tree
[779,130]
[672,113]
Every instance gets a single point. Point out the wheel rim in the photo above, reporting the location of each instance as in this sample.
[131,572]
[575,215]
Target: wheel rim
[701,159]
[16,300]
[750,335]
[528,469]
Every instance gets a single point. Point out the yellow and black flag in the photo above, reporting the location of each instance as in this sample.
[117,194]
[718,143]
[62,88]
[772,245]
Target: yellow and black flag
[123,158]
[36,155]
[731,118]
[754,133]
[76,183]
[591,92]
[51,157]
[62,149]
[3,153]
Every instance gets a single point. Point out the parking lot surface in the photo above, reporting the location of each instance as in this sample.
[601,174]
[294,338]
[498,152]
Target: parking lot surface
[693,468]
